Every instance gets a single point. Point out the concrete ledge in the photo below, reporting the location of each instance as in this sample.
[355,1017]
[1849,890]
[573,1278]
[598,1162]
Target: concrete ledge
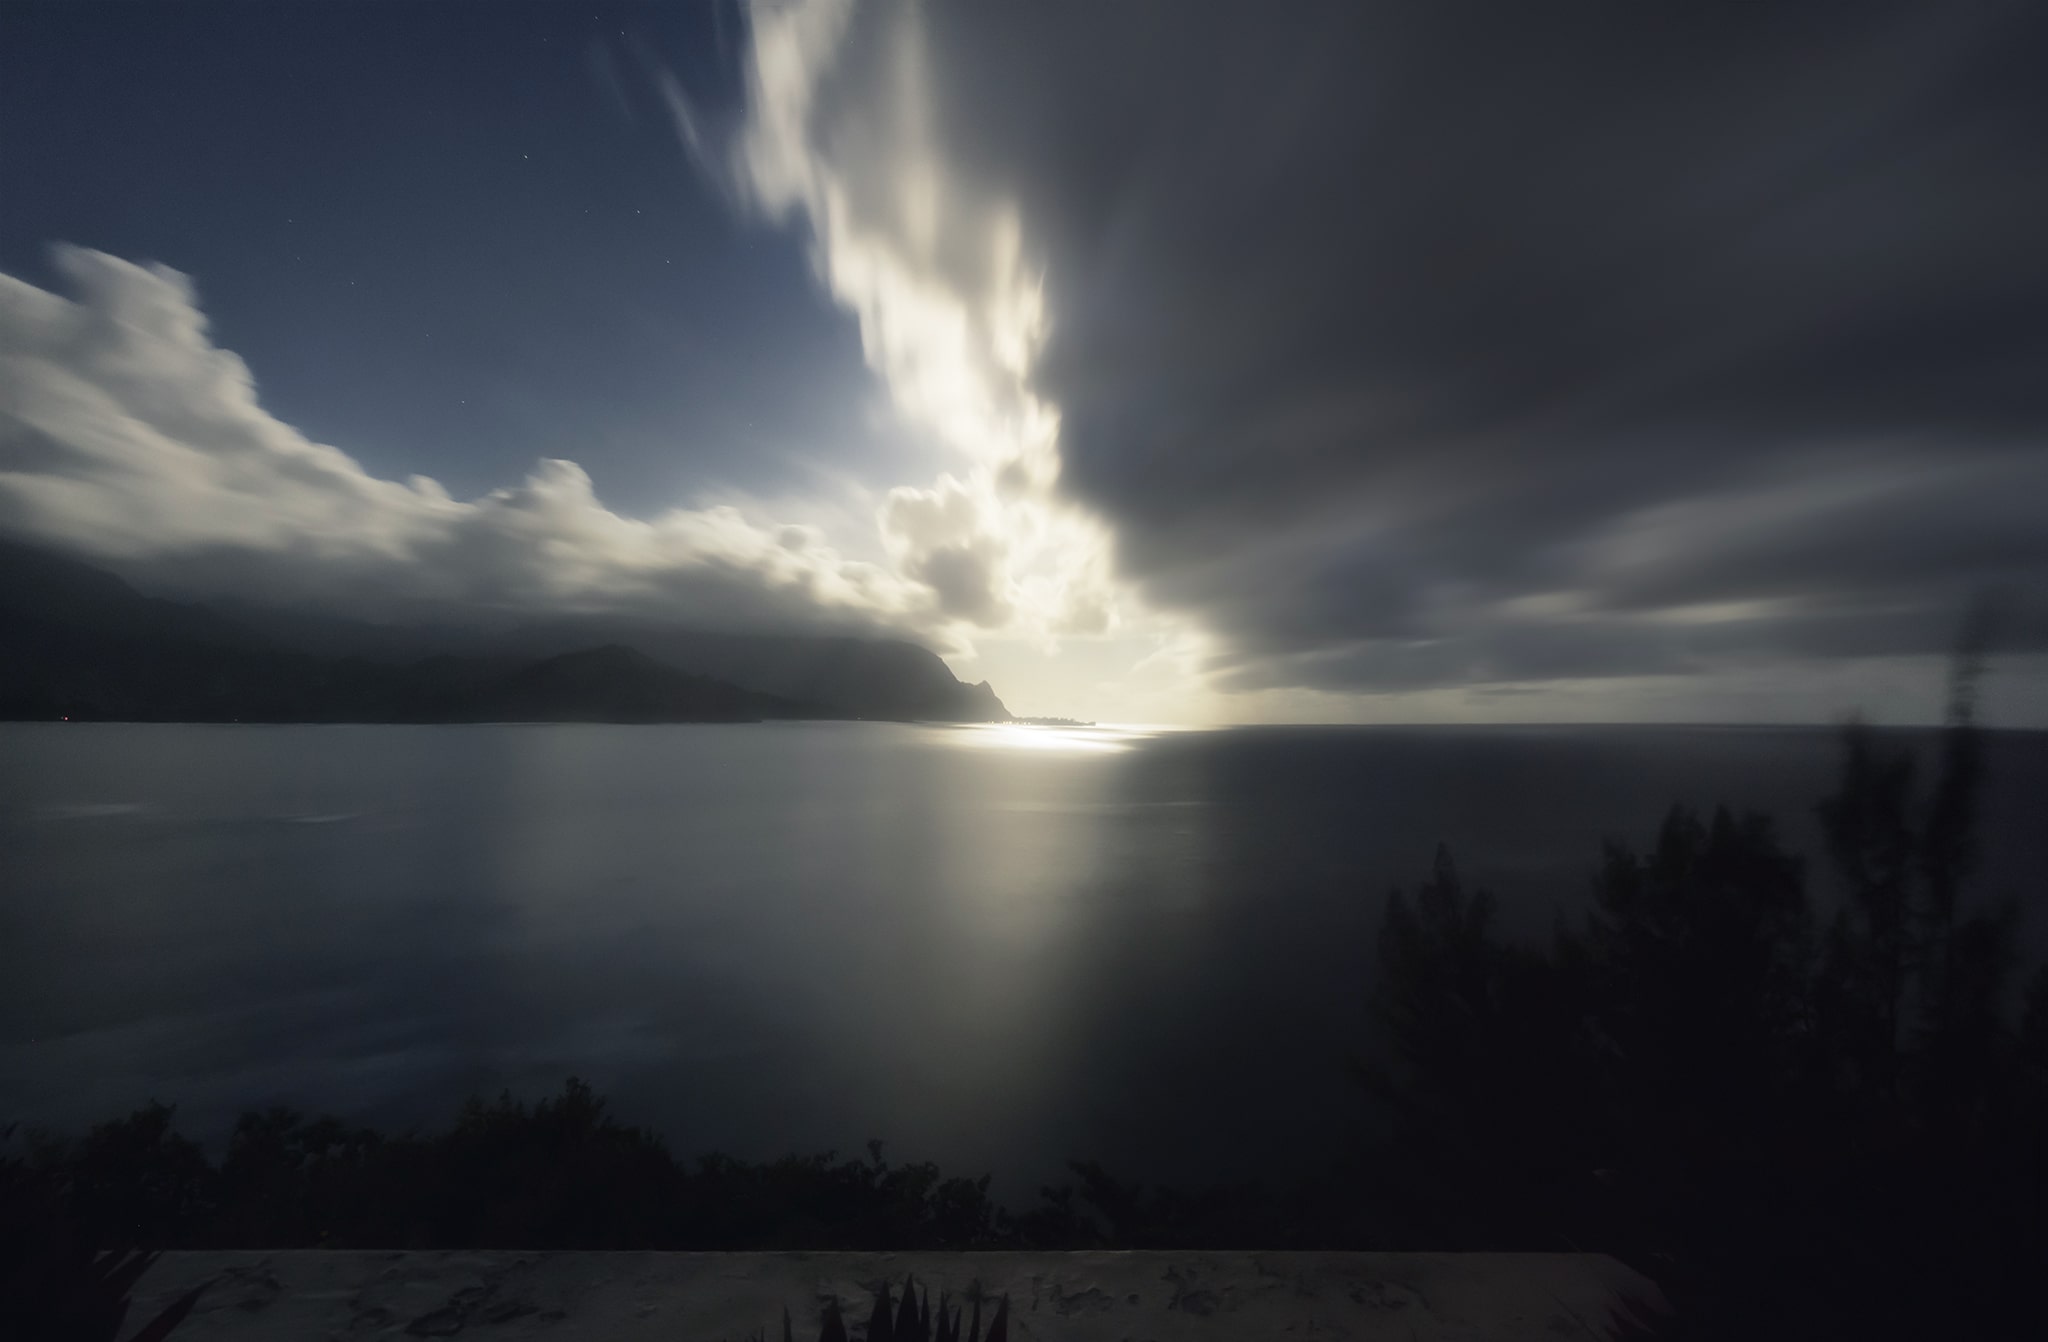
[706,1297]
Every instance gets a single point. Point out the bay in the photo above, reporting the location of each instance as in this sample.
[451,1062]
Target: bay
[992,948]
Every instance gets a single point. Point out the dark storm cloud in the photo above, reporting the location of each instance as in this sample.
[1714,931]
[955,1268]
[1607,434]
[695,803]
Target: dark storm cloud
[1418,344]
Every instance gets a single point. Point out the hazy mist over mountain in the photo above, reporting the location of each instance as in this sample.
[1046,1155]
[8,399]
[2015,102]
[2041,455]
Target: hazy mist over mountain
[79,644]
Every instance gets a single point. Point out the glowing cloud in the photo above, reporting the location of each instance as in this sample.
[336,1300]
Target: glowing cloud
[951,312]
[125,433]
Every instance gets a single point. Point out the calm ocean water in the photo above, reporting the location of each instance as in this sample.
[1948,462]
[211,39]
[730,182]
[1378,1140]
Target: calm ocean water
[991,948]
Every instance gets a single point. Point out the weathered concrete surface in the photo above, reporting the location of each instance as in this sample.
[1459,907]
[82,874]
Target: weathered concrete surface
[1083,1297]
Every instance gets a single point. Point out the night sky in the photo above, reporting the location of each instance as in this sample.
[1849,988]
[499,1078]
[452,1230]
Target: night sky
[1157,362]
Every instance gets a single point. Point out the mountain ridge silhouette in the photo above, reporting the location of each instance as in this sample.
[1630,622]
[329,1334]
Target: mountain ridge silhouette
[79,642]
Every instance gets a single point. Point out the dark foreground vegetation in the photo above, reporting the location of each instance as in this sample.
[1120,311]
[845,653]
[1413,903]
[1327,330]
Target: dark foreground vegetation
[1803,1118]
[1802,1123]
[911,1319]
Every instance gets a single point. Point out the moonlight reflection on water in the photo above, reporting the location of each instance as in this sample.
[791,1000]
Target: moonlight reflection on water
[993,947]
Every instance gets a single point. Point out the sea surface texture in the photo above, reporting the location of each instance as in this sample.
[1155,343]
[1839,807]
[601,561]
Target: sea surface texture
[993,948]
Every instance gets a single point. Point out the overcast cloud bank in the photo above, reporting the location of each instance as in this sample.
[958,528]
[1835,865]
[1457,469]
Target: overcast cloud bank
[1444,345]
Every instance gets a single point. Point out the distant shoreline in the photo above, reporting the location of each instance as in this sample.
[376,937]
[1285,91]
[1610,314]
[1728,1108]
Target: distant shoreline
[488,722]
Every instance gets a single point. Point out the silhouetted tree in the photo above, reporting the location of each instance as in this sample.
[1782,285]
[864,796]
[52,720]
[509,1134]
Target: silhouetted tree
[1799,1135]
[1484,1072]
[57,1283]
[1694,961]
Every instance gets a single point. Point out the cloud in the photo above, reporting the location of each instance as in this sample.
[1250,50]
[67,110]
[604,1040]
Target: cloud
[842,138]
[1405,346]
[127,435]
[1361,349]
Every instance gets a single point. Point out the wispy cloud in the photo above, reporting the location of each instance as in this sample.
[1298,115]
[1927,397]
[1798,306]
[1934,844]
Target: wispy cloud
[840,138]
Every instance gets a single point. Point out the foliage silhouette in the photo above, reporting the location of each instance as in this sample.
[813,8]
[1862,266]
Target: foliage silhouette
[563,1173]
[1795,1133]
[912,1319]
[55,1285]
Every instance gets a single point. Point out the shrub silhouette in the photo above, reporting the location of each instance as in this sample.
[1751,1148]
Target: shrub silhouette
[55,1284]
[560,1173]
[912,1319]
[1798,1133]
